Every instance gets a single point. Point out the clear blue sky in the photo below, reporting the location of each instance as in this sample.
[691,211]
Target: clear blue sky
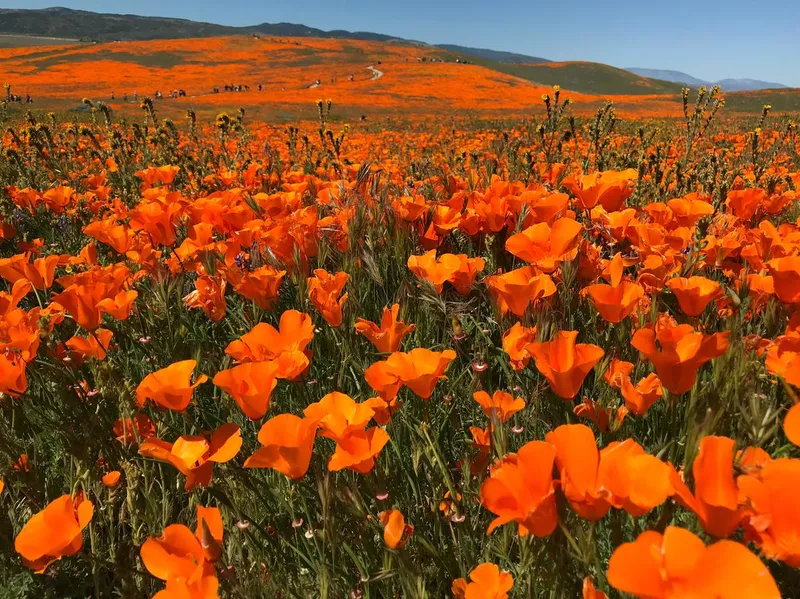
[710,39]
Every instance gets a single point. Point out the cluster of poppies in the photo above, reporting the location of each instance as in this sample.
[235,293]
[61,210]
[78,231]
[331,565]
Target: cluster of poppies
[657,282]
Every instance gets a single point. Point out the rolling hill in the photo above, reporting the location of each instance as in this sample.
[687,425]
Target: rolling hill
[20,25]
[587,77]
[364,73]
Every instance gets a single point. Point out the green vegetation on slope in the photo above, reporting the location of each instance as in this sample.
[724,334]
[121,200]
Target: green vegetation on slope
[585,77]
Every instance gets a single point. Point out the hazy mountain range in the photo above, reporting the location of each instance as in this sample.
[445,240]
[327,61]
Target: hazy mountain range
[731,85]
[92,26]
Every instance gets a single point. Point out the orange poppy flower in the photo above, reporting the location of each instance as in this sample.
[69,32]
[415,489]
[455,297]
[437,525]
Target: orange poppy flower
[678,564]
[546,248]
[170,387]
[250,385]
[358,450]
[55,532]
[617,372]
[420,369]
[130,430]
[58,198]
[287,346]
[396,532]
[715,499]
[94,294]
[743,203]
[288,442]
[40,273]
[209,296]
[791,424]
[382,377]
[616,301]
[487,581]
[94,346]
[590,592]
[437,271]
[195,455]
[543,205]
[120,305]
[445,219]
[514,291]
[608,188]
[118,237]
[771,516]
[500,406]
[678,351]
[786,278]
[153,175]
[463,277]
[515,343]
[622,475]
[760,288]
[387,337]
[338,415]
[520,489]
[602,417]
[260,285]
[111,479]
[640,398]
[564,363]
[383,410]
[694,293]
[410,208]
[324,290]
[156,218]
[783,358]
[13,380]
[185,559]
[344,421]
[689,209]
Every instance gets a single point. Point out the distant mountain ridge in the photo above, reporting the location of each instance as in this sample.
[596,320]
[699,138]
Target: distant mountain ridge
[731,85]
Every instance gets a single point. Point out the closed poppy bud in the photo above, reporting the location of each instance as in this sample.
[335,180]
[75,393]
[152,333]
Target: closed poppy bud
[112,478]
[211,547]
[396,532]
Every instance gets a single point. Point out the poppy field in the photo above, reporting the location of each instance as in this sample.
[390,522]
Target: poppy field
[555,357]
